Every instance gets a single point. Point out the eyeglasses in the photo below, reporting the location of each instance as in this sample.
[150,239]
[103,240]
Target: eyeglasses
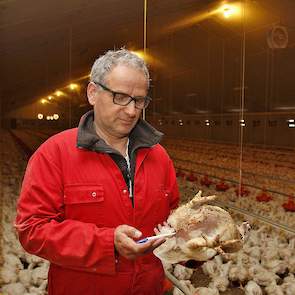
[123,99]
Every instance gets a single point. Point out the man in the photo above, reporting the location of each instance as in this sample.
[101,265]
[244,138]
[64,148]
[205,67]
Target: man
[91,192]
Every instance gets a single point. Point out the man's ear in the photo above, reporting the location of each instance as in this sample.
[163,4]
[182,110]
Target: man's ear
[91,93]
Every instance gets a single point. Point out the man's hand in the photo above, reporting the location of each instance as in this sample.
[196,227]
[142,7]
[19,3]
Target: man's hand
[127,247]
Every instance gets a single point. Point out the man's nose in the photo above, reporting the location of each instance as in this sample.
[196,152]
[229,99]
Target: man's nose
[131,109]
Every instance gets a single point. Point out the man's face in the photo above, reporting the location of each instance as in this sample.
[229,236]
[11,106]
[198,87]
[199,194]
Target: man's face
[112,119]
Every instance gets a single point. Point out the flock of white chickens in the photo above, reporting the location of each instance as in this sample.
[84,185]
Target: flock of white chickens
[265,265]
[21,273]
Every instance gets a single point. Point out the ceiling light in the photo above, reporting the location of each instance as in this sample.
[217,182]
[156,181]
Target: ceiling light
[285,108]
[237,110]
[73,86]
[58,93]
[229,10]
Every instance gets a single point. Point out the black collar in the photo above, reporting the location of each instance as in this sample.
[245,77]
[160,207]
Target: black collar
[142,135]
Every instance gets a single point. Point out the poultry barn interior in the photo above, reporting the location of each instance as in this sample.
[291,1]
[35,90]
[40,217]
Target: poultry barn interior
[223,94]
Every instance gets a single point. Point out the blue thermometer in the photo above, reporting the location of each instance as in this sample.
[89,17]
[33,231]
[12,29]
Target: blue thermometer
[152,238]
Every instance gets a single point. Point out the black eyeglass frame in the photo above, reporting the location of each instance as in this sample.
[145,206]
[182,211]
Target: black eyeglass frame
[147,99]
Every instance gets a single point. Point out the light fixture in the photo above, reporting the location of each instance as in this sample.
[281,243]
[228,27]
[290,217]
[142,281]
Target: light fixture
[43,101]
[73,86]
[40,116]
[55,116]
[229,10]
[49,97]
[58,93]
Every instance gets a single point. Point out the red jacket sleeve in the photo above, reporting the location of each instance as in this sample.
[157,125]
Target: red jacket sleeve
[43,231]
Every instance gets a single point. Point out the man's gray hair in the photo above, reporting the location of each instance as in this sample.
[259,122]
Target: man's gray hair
[105,63]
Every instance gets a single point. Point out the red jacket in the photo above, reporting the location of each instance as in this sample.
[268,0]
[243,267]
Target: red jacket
[71,201]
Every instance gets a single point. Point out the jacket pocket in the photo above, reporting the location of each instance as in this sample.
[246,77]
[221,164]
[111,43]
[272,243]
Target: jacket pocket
[77,194]
[84,202]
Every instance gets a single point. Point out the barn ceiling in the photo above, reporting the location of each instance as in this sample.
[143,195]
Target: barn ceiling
[46,44]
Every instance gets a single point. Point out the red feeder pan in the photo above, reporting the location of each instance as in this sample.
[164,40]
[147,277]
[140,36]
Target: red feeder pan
[263,197]
[243,192]
[191,177]
[222,186]
[206,181]
[290,205]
